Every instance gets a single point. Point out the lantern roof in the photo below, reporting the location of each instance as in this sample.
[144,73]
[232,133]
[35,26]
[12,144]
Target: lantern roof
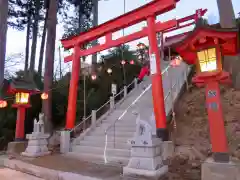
[22,85]
[187,45]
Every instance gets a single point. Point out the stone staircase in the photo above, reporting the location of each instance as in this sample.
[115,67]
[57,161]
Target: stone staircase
[91,146]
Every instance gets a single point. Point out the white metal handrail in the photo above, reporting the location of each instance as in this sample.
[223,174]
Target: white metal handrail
[83,122]
[133,103]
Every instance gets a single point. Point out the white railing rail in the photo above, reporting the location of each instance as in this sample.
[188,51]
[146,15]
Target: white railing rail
[91,120]
[169,96]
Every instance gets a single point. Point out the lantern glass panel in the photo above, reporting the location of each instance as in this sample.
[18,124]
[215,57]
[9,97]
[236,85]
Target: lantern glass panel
[22,98]
[207,60]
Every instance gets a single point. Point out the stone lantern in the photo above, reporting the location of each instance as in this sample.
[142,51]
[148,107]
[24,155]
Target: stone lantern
[22,89]
[204,47]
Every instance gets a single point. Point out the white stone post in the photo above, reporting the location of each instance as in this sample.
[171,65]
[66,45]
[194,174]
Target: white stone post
[94,118]
[135,83]
[65,142]
[112,102]
[125,91]
[35,126]
[186,78]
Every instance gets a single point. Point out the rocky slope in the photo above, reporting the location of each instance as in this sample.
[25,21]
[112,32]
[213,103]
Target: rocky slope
[191,135]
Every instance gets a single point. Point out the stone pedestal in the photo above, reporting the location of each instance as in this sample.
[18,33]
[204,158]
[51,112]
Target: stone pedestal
[220,171]
[16,147]
[65,142]
[37,145]
[38,140]
[146,154]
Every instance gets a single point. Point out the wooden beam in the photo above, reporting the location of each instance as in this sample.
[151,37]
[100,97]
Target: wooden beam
[155,7]
[134,36]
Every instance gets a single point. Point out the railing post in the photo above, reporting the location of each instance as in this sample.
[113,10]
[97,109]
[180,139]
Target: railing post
[112,102]
[135,83]
[65,142]
[125,91]
[94,118]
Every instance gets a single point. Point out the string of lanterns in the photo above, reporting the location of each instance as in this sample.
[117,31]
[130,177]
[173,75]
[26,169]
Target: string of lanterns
[23,98]
[109,70]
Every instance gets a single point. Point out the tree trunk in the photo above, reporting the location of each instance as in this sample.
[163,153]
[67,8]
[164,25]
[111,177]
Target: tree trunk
[3,37]
[95,23]
[42,45]
[227,20]
[49,63]
[35,35]
[27,44]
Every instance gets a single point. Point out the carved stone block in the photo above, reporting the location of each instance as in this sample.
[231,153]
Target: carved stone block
[146,153]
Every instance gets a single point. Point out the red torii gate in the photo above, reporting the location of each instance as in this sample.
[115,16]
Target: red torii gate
[147,12]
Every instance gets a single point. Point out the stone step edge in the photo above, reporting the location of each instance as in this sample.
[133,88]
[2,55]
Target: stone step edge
[41,172]
[98,159]
[102,149]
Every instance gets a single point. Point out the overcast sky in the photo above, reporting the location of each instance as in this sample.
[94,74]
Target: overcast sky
[109,9]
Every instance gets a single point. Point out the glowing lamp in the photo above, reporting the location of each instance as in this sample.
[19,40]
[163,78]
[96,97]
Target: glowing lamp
[44,96]
[21,98]
[123,62]
[109,70]
[3,104]
[132,62]
[94,77]
[207,60]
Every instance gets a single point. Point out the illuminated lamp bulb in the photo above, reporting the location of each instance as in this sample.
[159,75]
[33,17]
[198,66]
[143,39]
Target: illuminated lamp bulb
[123,62]
[109,70]
[44,96]
[132,62]
[3,104]
[94,77]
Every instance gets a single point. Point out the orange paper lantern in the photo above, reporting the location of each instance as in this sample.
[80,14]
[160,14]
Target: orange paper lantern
[44,96]
[3,104]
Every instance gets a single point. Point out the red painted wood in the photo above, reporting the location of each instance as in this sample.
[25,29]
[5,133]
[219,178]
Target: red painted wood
[179,27]
[72,98]
[20,131]
[153,8]
[128,38]
[157,85]
[211,81]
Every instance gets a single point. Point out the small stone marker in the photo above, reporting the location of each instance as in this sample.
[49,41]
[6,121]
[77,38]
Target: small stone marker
[37,141]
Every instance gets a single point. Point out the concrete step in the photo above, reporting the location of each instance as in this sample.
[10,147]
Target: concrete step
[110,139]
[119,128]
[99,159]
[118,145]
[118,123]
[117,133]
[100,151]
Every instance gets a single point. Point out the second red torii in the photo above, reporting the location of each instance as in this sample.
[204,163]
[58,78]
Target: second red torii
[166,27]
